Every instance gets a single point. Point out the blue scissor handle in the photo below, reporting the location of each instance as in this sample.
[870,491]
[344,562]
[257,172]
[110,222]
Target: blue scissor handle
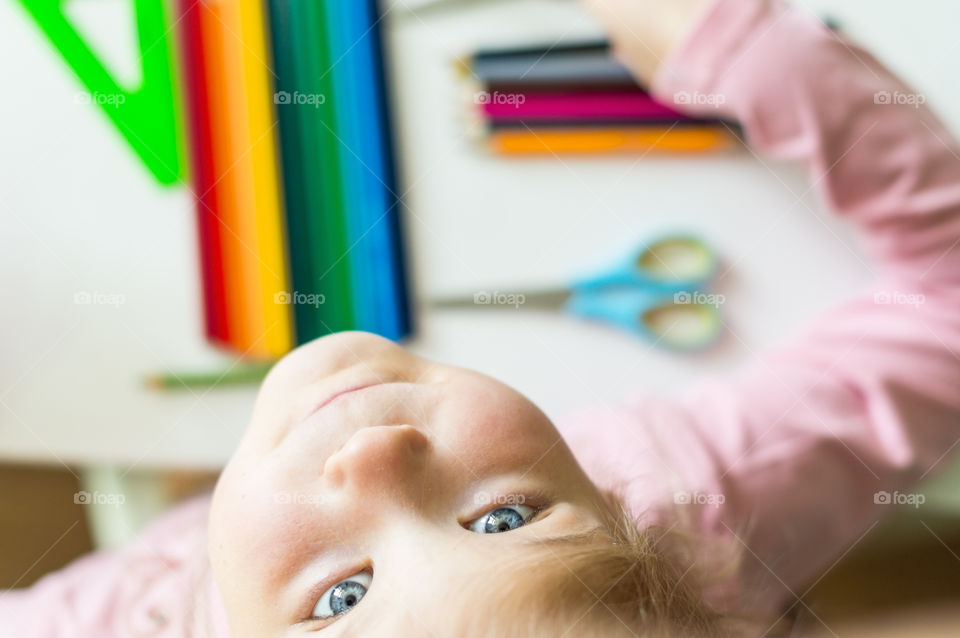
[637,310]
[649,267]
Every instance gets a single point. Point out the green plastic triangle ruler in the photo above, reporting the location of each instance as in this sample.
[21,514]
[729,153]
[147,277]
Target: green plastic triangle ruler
[146,115]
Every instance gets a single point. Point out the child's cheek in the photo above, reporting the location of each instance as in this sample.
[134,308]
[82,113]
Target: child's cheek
[279,524]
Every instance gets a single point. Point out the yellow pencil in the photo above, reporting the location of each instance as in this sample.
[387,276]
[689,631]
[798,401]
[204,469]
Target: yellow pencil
[273,276]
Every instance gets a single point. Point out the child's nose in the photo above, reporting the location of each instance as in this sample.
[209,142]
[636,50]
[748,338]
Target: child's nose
[378,456]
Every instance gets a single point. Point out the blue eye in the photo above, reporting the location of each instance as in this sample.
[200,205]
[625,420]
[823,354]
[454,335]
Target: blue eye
[502,519]
[343,596]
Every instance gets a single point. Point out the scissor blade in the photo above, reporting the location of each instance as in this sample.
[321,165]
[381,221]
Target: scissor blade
[538,299]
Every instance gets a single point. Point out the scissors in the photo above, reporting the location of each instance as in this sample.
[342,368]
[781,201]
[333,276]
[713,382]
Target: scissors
[657,291]
[421,7]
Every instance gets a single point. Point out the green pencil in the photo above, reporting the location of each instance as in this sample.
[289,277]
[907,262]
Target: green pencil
[329,224]
[246,374]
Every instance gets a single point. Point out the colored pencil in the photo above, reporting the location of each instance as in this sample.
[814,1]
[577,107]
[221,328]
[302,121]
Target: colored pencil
[623,105]
[535,50]
[351,102]
[595,141]
[199,130]
[307,174]
[239,177]
[228,217]
[391,264]
[601,124]
[283,16]
[237,375]
[332,267]
[294,172]
[575,66]
[263,190]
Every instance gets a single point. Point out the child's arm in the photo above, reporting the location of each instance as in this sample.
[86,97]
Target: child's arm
[159,585]
[867,399]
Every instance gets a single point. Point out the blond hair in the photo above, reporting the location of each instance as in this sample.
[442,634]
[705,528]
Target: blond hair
[618,581]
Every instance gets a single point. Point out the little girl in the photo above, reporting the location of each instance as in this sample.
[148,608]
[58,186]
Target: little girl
[359,498]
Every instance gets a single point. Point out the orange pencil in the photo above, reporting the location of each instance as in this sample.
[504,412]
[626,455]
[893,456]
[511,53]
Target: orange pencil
[240,178]
[685,139]
[224,178]
[234,148]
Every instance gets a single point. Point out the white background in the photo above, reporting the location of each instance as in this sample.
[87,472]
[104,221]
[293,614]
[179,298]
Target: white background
[78,213]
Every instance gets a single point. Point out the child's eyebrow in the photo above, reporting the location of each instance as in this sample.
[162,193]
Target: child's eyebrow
[564,538]
[580,528]
[584,530]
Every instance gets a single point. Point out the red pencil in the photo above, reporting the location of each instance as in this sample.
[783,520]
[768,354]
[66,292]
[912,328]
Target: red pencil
[204,176]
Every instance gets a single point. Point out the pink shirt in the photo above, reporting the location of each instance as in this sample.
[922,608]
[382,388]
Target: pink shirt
[783,459]
[148,588]
[801,442]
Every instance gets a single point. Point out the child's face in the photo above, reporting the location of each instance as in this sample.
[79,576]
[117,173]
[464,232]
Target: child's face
[389,488]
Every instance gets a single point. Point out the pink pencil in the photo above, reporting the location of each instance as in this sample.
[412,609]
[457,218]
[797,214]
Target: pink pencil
[614,105]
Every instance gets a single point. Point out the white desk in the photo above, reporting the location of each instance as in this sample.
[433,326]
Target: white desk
[78,213]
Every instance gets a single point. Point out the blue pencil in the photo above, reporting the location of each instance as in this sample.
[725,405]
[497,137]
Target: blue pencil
[395,297]
[361,188]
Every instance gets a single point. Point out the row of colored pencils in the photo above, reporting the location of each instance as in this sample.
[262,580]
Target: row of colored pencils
[578,99]
[292,169]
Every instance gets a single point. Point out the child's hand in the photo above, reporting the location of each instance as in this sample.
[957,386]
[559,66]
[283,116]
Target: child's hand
[644,31]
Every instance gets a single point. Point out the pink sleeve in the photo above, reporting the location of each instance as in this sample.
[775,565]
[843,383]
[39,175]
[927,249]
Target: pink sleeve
[150,587]
[792,457]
